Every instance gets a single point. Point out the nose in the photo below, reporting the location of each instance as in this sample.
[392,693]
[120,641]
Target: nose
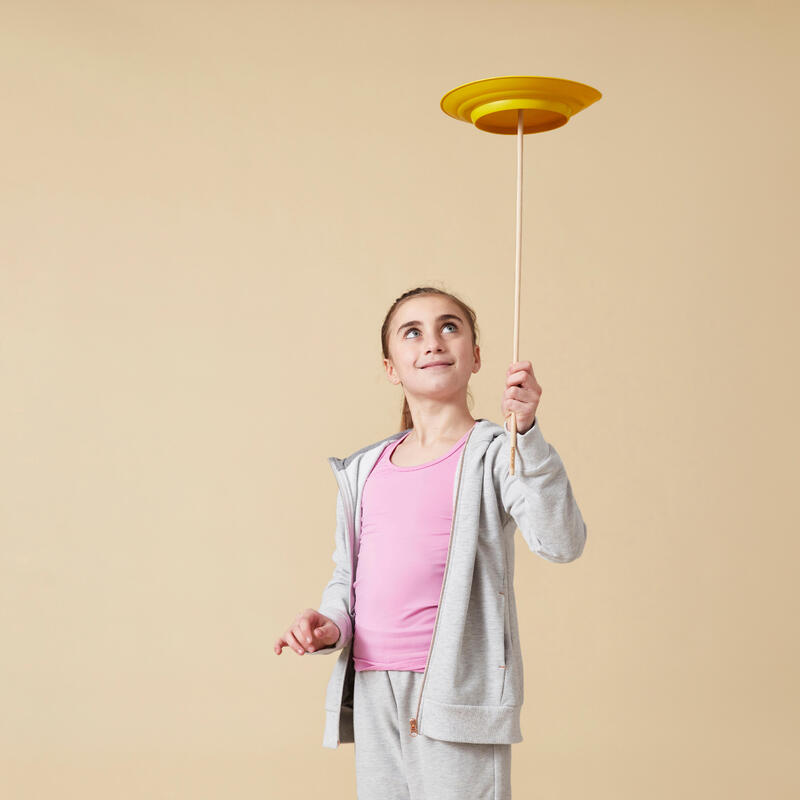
[435,346]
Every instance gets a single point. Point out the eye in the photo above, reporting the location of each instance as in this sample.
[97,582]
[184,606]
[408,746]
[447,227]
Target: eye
[452,324]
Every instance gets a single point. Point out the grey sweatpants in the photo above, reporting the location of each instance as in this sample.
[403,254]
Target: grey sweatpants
[393,765]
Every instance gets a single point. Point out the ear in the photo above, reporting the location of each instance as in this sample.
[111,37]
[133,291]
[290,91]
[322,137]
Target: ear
[477,355]
[391,373]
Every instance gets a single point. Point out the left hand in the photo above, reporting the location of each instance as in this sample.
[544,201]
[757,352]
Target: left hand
[521,396]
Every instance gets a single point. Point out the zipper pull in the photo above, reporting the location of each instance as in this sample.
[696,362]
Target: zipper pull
[413,728]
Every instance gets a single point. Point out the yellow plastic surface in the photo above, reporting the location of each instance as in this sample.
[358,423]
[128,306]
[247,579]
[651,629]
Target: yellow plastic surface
[492,104]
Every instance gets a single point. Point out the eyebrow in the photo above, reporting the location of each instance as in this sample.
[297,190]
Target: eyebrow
[440,318]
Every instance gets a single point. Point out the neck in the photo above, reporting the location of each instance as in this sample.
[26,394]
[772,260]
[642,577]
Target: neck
[431,428]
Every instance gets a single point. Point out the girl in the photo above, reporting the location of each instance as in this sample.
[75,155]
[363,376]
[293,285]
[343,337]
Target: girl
[428,684]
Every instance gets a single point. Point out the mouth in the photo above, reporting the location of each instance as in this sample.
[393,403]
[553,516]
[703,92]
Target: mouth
[440,365]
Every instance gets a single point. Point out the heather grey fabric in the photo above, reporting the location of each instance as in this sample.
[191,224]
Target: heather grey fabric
[391,765]
[474,689]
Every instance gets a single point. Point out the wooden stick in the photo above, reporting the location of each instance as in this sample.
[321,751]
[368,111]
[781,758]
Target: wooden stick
[518,272]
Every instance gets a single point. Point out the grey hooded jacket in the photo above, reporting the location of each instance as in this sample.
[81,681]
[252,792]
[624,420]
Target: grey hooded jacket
[472,687]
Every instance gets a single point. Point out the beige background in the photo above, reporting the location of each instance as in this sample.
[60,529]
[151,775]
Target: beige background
[207,209]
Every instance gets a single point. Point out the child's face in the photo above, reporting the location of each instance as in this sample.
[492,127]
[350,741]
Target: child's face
[430,339]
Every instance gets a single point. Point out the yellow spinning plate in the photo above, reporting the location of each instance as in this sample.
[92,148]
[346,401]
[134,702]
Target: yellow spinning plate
[518,104]
[493,104]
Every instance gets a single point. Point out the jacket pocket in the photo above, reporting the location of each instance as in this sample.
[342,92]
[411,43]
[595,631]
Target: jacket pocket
[507,649]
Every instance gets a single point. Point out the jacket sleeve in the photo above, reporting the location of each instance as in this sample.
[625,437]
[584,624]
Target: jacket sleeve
[335,601]
[539,495]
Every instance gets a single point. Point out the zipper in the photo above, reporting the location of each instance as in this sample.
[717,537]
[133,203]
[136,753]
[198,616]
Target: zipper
[413,723]
[349,505]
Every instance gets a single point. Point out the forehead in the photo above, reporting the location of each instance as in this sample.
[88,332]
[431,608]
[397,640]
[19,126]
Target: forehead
[431,306]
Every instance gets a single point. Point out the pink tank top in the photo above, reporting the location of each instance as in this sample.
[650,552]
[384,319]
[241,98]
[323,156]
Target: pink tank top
[406,513]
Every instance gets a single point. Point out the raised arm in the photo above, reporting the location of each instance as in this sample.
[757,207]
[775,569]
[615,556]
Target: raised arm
[538,496]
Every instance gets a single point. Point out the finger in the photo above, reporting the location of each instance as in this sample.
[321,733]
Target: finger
[515,366]
[512,405]
[518,393]
[300,636]
[293,643]
[520,374]
[519,378]
[518,407]
[278,646]
[305,633]
[529,388]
